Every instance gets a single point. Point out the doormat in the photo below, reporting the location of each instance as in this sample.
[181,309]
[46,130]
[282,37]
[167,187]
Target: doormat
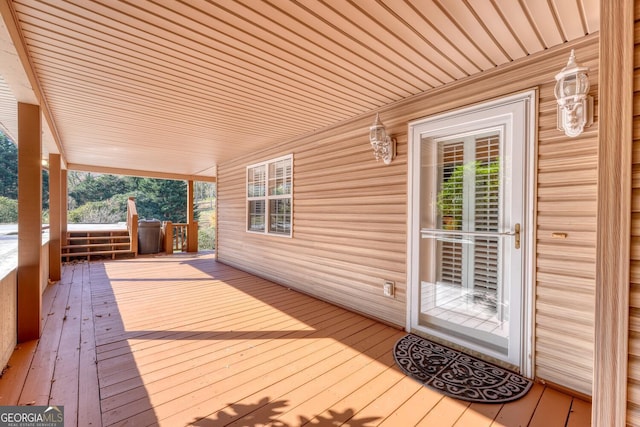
[456,374]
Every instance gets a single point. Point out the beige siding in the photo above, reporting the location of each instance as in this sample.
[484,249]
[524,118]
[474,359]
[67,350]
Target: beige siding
[349,225]
[633,413]
[565,276]
[350,215]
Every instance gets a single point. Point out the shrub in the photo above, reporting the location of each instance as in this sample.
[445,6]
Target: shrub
[8,210]
[108,211]
[206,238]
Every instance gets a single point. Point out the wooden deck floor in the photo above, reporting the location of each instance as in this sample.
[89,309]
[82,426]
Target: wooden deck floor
[183,340]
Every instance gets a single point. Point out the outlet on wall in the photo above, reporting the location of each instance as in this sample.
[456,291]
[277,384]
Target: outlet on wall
[389,288]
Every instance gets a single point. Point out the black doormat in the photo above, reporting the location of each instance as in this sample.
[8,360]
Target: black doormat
[456,374]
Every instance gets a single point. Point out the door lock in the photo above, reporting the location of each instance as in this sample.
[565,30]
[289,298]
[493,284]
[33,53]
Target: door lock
[517,235]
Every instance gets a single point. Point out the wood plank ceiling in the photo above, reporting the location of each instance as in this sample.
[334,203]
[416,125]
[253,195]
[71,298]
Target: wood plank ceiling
[178,86]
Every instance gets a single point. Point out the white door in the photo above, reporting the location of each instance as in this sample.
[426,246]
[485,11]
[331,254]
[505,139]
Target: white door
[468,226]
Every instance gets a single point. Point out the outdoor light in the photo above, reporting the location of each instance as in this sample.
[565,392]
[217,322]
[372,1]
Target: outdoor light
[575,107]
[384,146]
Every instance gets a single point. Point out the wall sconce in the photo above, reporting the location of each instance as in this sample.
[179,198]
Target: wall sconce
[575,107]
[384,146]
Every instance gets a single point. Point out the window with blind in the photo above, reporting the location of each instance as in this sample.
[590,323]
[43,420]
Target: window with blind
[469,200]
[269,196]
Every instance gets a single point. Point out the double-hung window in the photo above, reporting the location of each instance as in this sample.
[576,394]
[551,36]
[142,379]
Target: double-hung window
[269,196]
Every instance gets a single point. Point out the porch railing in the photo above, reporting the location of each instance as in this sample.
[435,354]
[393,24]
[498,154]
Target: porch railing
[132,224]
[176,236]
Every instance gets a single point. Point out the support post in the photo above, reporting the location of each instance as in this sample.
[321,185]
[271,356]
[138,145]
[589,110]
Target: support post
[29,221]
[192,224]
[167,229]
[615,140]
[55,209]
[217,211]
[64,208]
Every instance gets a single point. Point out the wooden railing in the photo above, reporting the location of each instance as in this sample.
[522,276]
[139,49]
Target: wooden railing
[176,236]
[132,224]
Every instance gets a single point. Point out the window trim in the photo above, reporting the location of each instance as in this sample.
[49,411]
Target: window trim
[268,198]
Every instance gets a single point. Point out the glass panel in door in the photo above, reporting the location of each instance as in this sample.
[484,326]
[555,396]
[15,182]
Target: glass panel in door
[467,253]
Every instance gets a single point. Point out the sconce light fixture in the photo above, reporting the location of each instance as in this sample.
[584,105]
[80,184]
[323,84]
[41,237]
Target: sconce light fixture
[384,146]
[575,107]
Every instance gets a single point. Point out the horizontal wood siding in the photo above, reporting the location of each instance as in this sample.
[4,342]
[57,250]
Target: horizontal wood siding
[8,316]
[633,397]
[349,225]
[350,214]
[565,276]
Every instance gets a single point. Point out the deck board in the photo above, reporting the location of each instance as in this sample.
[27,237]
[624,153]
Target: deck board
[407,415]
[520,411]
[580,413]
[551,403]
[15,376]
[65,385]
[37,387]
[180,340]
[89,413]
[447,412]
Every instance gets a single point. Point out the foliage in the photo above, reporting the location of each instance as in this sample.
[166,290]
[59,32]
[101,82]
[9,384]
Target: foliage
[206,238]
[102,198]
[166,199]
[8,168]
[161,199]
[450,197]
[94,188]
[108,211]
[8,210]
[204,191]
[45,189]
[9,172]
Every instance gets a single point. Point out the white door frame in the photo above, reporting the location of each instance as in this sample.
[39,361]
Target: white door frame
[529,151]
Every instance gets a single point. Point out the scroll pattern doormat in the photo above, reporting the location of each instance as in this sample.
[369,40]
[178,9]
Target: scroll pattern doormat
[456,374]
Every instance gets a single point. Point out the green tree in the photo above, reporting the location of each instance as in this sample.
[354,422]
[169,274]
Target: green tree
[8,168]
[95,188]
[161,199]
[166,201]
[45,189]
[9,172]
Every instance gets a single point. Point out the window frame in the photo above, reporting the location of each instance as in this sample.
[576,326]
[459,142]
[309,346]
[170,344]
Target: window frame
[267,198]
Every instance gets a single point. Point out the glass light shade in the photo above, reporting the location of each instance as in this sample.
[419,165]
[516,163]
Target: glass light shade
[377,132]
[383,146]
[571,91]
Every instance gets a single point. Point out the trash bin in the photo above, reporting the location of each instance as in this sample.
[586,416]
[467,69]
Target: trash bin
[149,236]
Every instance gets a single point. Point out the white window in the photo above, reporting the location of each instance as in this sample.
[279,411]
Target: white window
[269,196]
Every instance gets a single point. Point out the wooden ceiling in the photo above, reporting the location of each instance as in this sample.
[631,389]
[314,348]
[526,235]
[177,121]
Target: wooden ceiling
[179,86]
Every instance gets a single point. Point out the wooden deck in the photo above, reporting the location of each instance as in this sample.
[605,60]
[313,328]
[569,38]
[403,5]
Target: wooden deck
[181,340]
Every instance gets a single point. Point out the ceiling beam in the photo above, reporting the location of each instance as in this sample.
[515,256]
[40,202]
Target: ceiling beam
[133,172]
